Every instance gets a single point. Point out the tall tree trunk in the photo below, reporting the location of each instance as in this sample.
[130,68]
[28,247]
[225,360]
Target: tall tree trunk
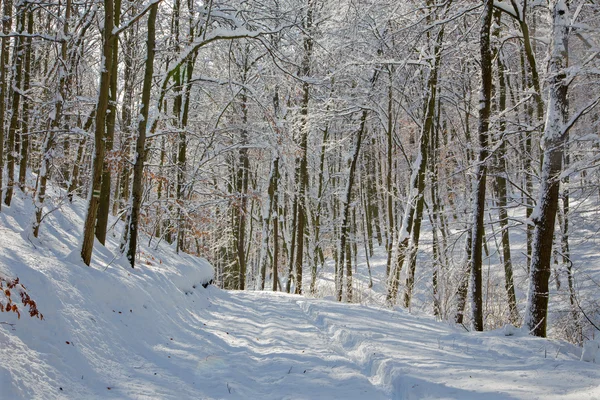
[275,238]
[553,140]
[564,239]
[318,257]
[535,83]
[302,174]
[184,100]
[434,216]
[464,272]
[111,118]
[87,245]
[481,170]
[16,100]
[345,228]
[243,173]
[500,185]
[388,180]
[410,227]
[54,125]
[419,201]
[292,246]
[140,145]
[4,53]
[182,157]
[268,213]
[126,118]
[26,103]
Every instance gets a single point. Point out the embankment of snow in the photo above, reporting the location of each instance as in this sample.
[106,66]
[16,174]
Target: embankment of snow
[102,324]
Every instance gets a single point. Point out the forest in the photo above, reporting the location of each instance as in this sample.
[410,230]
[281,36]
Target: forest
[457,139]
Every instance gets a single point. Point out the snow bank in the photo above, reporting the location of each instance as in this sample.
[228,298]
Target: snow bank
[104,324]
[590,350]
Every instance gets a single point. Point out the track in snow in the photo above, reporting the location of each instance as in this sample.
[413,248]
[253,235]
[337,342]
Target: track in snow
[330,350]
[270,342]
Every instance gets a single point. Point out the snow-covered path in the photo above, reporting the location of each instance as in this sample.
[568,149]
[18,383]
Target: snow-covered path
[283,346]
[153,332]
[265,346]
[248,345]
[418,357]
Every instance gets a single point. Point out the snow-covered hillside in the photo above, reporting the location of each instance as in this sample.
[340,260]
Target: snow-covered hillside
[154,332]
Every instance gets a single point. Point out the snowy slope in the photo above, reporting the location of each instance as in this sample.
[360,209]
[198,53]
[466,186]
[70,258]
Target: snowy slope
[155,333]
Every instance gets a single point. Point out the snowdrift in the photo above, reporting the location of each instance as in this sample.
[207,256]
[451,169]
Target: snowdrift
[102,323]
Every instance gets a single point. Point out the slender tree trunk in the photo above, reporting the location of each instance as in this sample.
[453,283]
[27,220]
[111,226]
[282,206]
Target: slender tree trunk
[319,258]
[179,154]
[302,181]
[463,286]
[126,121]
[4,52]
[413,213]
[419,201]
[242,191]
[268,213]
[564,239]
[111,118]
[301,220]
[388,180]
[140,145]
[535,83]
[464,271]
[500,185]
[555,133]
[54,125]
[292,246]
[344,249]
[275,243]
[99,134]
[26,103]
[182,157]
[481,170]
[16,101]
[183,116]
[437,249]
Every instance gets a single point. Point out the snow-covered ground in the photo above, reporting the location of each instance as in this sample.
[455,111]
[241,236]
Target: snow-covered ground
[155,333]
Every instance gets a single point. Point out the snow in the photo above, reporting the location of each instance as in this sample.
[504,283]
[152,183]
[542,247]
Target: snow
[508,8]
[154,332]
[590,350]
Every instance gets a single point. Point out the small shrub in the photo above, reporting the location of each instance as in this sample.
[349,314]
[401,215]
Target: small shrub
[8,289]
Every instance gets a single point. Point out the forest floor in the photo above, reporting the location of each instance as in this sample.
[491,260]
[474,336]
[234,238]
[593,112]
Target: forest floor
[155,333]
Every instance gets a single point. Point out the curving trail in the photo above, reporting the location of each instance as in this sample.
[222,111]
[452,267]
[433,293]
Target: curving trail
[354,351]
[154,332]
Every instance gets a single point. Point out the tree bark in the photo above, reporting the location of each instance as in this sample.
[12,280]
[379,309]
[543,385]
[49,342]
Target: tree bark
[24,159]
[140,145]
[481,171]
[345,228]
[6,25]
[554,136]
[16,91]
[111,118]
[99,134]
[500,184]
[388,178]
[54,125]
[418,201]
